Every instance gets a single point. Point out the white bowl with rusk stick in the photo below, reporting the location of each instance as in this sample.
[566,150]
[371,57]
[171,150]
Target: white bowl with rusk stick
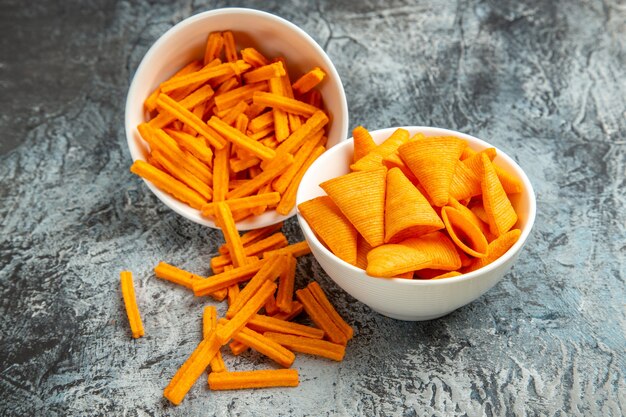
[186,41]
[413,299]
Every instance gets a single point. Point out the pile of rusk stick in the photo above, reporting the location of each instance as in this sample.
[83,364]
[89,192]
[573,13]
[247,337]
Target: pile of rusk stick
[273,334]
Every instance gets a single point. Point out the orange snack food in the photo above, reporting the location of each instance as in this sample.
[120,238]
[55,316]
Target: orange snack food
[130,303]
[321,298]
[209,324]
[286,283]
[302,344]
[254,379]
[320,317]
[309,80]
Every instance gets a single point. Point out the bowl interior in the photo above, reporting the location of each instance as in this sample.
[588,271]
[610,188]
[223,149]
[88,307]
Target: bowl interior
[272,36]
[336,161]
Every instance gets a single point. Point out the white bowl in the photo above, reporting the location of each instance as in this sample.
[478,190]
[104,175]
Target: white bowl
[272,36]
[412,299]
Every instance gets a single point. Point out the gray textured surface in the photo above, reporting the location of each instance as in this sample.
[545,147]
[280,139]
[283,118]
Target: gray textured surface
[544,81]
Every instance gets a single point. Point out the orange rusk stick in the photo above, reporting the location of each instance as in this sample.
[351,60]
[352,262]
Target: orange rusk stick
[281,121]
[275,241]
[226,279]
[150,102]
[169,105]
[320,297]
[288,199]
[204,75]
[241,122]
[235,136]
[289,105]
[311,126]
[270,306]
[130,302]
[244,202]
[219,295]
[196,146]
[180,93]
[229,46]
[238,165]
[261,122]
[224,219]
[264,73]
[254,110]
[220,173]
[191,370]
[261,344]
[254,379]
[263,134]
[169,147]
[276,167]
[209,324]
[233,292]
[307,345]
[315,99]
[254,236]
[286,282]
[232,97]
[234,112]
[168,184]
[297,249]
[180,173]
[296,309]
[281,183]
[268,272]
[254,57]
[199,96]
[214,46]
[263,324]
[319,316]
[177,276]
[237,348]
[249,309]
[309,80]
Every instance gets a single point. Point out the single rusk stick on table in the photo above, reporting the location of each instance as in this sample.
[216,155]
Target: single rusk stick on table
[307,345]
[191,370]
[209,324]
[321,298]
[319,316]
[226,279]
[268,272]
[263,345]
[130,303]
[254,379]
[254,235]
[249,309]
[168,184]
[224,219]
[263,324]
[167,104]
[286,281]
[184,278]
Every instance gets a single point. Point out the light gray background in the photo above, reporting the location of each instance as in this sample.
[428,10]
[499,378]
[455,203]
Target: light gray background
[544,81]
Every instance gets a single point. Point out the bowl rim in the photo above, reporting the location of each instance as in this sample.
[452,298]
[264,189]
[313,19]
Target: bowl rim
[508,255]
[131,97]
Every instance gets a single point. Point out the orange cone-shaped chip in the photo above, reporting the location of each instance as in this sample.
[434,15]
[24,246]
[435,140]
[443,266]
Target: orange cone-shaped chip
[331,226]
[434,250]
[467,235]
[374,158]
[496,249]
[500,212]
[362,249]
[407,212]
[433,161]
[363,143]
[361,198]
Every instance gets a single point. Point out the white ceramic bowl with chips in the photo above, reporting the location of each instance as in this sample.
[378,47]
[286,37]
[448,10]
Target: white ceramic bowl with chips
[186,41]
[416,299]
